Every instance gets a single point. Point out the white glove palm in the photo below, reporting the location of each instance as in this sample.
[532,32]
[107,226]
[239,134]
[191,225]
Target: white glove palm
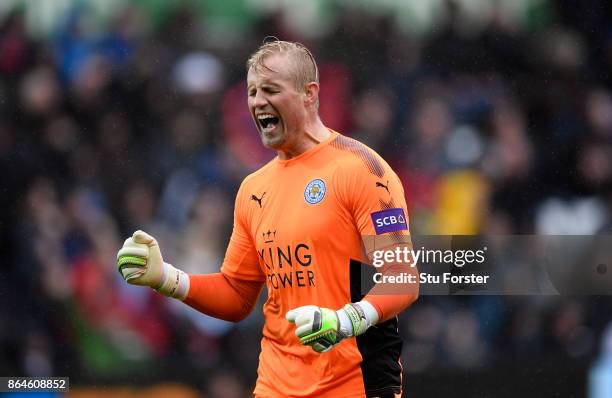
[140,261]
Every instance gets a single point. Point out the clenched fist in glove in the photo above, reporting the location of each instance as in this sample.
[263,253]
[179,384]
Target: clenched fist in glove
[140,263]
[323,328]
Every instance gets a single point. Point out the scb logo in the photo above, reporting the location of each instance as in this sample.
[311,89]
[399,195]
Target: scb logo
[390,220]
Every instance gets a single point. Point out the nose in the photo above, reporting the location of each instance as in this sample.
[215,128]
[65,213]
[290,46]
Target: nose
[259,100]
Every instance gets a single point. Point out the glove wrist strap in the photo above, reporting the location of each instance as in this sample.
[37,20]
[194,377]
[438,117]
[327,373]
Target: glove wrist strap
[174,282]
[356,318]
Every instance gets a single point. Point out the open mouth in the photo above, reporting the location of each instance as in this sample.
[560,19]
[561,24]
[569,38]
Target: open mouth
[267,122]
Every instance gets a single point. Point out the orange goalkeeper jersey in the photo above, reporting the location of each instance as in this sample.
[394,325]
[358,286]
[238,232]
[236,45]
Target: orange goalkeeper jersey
[298,226]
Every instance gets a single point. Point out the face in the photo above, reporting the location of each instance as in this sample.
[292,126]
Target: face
[277,108]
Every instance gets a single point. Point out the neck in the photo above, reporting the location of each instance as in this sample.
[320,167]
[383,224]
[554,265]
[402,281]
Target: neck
[310,136]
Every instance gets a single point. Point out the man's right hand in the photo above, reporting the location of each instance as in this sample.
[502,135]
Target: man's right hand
[140,262]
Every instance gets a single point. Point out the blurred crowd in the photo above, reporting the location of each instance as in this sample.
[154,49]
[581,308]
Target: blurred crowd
[505,129]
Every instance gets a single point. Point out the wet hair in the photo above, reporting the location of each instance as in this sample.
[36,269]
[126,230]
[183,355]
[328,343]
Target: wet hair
[304,65]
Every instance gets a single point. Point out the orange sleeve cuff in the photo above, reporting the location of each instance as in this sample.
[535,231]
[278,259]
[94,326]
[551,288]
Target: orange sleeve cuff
[222,297]
[389,306]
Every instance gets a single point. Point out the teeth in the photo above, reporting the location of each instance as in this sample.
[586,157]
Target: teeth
[265,116]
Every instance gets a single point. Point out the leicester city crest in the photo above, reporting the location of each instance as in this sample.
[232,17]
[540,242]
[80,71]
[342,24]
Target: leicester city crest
[315,191]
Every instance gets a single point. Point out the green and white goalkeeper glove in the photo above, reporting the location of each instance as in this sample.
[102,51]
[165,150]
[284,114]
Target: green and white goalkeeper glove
[140,262]
[323,328]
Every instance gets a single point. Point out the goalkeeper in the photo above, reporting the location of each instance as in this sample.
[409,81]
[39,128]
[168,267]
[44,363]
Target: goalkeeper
[302,226]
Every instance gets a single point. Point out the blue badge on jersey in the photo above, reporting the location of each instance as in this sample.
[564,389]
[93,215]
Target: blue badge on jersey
[389,220]
[314,192]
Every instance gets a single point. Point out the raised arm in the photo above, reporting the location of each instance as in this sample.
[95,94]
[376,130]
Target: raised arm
[223,297]
[230,294]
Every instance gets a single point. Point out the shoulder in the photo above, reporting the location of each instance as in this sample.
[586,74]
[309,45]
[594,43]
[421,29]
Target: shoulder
[355,157]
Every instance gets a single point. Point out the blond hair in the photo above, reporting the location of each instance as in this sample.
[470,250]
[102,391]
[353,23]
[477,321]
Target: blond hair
[304,65]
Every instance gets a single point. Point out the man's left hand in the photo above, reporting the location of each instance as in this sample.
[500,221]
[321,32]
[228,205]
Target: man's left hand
[323,328]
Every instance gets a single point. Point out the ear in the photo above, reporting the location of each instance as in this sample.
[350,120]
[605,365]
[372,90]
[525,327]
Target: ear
[311,93]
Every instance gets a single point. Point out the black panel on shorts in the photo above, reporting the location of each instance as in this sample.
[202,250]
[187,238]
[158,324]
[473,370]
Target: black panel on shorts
[380,348]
